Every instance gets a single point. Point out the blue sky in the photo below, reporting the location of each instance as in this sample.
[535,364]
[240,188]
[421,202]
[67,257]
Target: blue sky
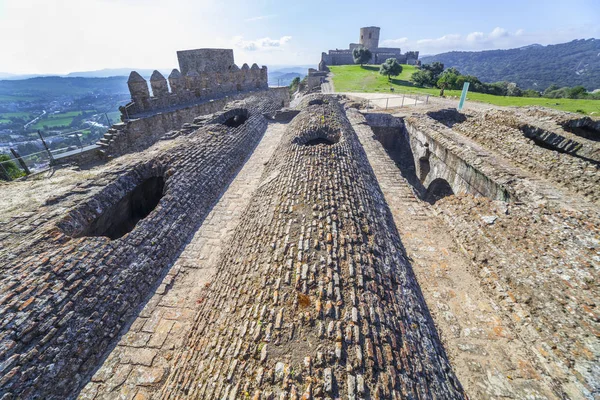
[59,36]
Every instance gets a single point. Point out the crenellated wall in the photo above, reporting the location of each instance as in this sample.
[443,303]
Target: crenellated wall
[140,133]
[205,74]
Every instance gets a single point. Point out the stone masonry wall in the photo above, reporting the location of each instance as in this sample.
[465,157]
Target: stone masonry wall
[493,129]
[199,60]
[65,298]
[138,134]
[315,297]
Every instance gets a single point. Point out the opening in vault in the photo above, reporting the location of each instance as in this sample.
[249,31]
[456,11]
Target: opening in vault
[236,121]
[121,218]
[317,141]
[438,189]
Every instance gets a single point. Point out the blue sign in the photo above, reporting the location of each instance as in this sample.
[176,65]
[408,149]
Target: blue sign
[463,96]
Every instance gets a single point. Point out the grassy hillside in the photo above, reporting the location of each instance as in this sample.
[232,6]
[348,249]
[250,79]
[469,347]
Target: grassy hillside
[353,78]
[533,67]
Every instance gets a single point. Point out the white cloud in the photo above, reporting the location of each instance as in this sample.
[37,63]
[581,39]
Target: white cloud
[475,36]
[260,18]
[394,42]
[498,33]
[263,44]
[498,38]
[40,36]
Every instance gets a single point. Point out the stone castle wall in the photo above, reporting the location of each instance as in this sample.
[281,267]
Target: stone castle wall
[203,74]
[141,133]
[72,294]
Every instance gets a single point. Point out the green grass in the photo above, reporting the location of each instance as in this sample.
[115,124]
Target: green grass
[6,98]
[54,120]
[17,114]
[353,78]
[4,117]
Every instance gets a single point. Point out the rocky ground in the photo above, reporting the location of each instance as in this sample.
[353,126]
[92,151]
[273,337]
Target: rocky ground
[318,272]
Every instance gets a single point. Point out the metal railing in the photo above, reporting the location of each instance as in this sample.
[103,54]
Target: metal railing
[53,149]
[405,100]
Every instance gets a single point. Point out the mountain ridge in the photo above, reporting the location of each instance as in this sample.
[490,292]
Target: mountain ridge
[531,67]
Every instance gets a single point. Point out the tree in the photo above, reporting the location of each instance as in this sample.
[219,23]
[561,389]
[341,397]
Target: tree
[390,68]
[361,55]
[447,80]
[550,89]
[421,78]
[513,90]
[436,68]
[473,80]
[576,92]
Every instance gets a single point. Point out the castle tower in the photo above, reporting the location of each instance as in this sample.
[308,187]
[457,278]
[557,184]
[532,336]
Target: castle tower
[369,37]
[159,84]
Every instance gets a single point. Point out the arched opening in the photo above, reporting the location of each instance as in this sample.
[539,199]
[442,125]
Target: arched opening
[585,128]
[424,168]
[315,102]
[318,141]
[121,218]
[235,121]
[319,137]
[438,189]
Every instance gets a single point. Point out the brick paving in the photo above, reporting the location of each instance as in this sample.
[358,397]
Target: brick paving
[490,360]
[313,299]
[140,361]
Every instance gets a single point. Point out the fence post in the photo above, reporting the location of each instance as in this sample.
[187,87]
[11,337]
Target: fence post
[46,147]
[402,105]
[20,160]
[427,99]
[386,102]
[416,99]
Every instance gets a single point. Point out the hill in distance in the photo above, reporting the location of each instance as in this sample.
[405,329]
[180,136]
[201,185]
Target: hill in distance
[531,67]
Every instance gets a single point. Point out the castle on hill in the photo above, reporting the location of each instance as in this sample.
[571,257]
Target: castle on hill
[369,39]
